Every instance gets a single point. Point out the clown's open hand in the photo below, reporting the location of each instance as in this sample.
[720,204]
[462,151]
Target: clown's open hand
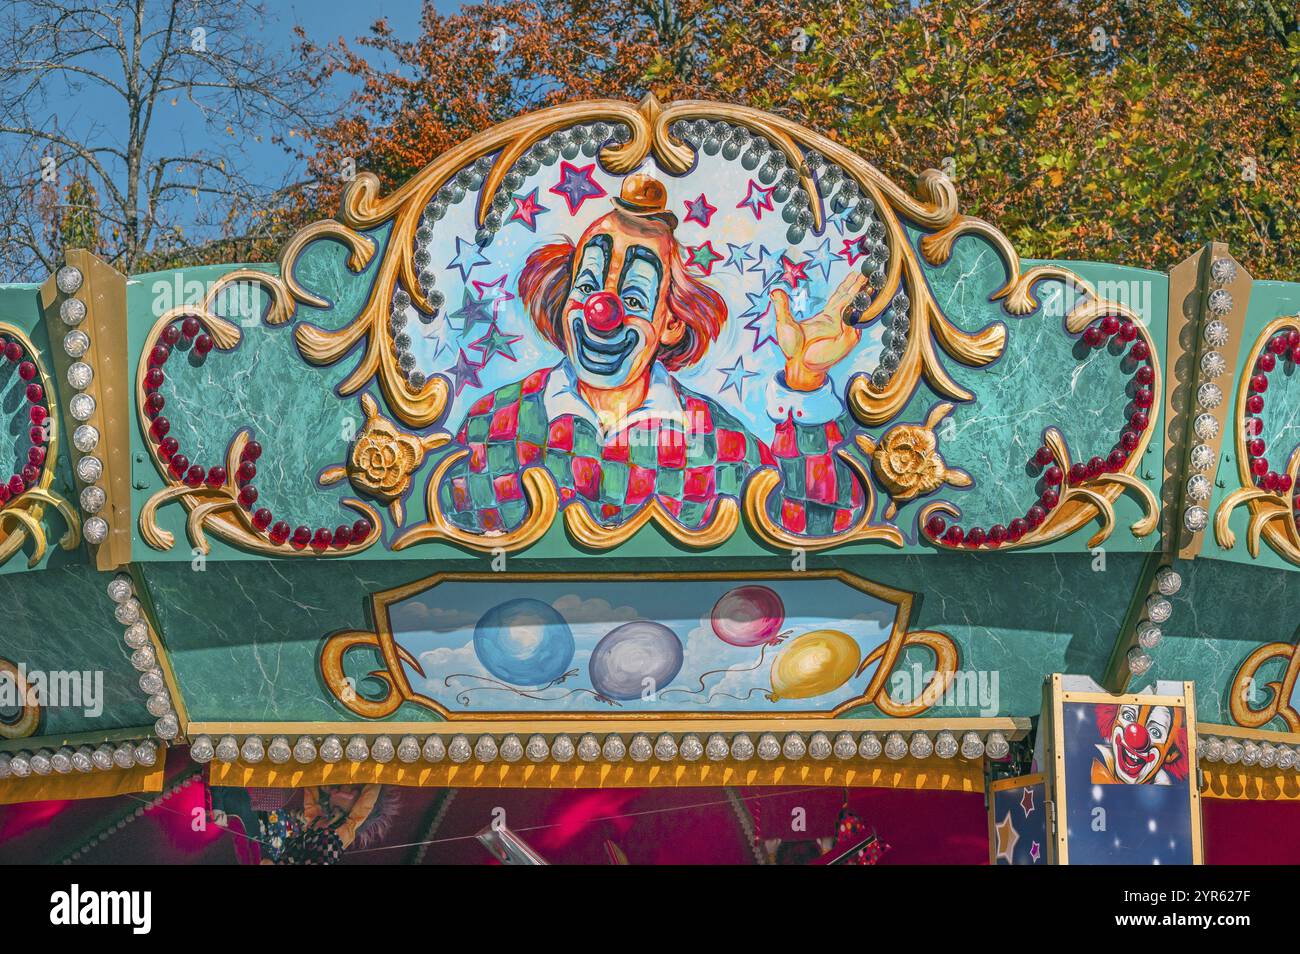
[819,342]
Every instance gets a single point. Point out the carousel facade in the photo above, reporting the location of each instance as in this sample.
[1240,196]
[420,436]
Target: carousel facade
[644,483]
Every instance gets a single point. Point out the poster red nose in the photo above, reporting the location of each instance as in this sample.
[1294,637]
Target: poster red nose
[1135,736]
[603,311]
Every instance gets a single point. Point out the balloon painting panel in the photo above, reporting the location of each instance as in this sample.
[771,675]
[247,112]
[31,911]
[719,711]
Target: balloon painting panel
[689,645]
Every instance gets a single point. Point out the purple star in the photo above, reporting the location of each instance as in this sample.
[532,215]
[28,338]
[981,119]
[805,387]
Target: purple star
[699,210]
[576,186]
[1034,851]
[464,372]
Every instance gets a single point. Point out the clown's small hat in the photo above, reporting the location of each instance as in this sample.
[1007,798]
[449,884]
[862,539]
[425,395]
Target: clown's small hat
[645,196]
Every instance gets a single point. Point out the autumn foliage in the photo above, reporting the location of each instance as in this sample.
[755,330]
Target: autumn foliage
[1114,130]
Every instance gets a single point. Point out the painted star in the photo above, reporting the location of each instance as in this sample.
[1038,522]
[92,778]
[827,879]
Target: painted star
[840,219]
[577,186]
[494,292]
[738,255]
[768,265]
[464,372]
[852,249]
[757,199]
[822,257]
[792,273]
[1027,801]
[495,342]
[1007,838]
[699,210]
[526,210]
[702,257]
[472,312]
[468,257]
[1035,851]
[764,327]
[735,377]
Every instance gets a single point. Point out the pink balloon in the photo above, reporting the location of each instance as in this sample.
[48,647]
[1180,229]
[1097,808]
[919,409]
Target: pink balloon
[748,616]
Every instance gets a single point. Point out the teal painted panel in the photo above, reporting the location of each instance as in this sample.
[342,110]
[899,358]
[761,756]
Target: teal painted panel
[60,620]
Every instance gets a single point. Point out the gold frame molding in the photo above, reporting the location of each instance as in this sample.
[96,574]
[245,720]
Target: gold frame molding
[20,517]
[382,639]
[1267,508]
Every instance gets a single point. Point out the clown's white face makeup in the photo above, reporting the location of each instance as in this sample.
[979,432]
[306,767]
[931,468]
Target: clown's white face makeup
[616,314]
[1139,747]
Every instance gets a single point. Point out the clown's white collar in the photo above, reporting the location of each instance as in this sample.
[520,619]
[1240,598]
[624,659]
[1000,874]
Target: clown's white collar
[662,401]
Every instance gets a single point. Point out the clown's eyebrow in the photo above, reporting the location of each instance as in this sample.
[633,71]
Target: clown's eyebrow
[602,245]
[639,253]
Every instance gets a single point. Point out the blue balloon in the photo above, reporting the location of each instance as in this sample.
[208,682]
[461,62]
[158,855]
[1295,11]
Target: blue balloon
[524,642]
[634,657]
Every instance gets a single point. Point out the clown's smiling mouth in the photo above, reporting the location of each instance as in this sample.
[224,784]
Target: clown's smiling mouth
[1130,763]
[604,356]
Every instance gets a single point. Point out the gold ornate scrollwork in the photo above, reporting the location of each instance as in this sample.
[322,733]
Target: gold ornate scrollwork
[1244,687]
[765,482]
[1272,513]
[945,669]
[539,492]
[24,723]
[907,462]
[1079,504]
[20,517]
[344,687]
[219,509]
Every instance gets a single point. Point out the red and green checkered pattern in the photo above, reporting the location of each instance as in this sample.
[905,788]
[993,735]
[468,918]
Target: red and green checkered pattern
[686,468]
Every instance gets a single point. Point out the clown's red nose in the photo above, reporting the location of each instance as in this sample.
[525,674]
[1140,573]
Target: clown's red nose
[1135,737]
[603,311]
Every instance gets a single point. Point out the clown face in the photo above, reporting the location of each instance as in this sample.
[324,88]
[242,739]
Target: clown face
[1140,741]
[616,317]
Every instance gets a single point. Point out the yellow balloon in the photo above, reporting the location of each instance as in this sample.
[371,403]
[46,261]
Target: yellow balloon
[813,664]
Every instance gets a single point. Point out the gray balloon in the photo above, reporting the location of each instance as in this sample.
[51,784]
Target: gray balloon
[634,657]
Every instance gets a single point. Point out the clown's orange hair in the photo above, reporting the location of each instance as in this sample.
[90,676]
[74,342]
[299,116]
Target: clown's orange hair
[544,287]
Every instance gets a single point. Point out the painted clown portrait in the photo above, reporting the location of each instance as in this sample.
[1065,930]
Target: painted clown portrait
[1140,745]
[632,314]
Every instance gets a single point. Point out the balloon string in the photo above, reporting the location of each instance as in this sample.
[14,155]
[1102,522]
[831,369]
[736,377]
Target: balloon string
[463,696]
[712,672]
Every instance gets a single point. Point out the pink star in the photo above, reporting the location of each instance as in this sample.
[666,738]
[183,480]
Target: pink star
[699,210]
[792,274]
[852,250]
[494,292]
[757,203]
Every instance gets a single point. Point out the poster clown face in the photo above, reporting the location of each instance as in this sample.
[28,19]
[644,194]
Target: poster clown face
[1141,745]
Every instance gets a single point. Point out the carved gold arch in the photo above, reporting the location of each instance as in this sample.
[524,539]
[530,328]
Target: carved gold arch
[935,208]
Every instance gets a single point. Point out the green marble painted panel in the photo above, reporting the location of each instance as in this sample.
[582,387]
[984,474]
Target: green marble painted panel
[1223,612]
[61,620]
[244,640]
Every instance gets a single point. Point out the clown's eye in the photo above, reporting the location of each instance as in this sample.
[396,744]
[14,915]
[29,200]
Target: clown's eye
[1157,733]
[586,287]
[634,301]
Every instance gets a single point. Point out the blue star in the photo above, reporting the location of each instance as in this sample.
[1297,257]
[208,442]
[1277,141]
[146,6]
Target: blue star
[764,328]
[822,257]
[758,303]
[735,377]
[840,219]
[738,255]
[468,257]
[769,265]
[464,372]
[472,313]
